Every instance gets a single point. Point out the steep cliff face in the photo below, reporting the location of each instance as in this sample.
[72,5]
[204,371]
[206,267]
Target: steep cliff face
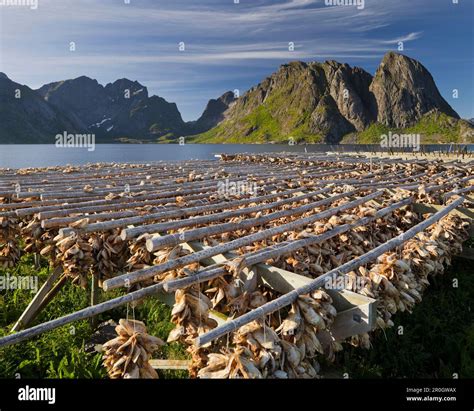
[404,91]
[213,113]
[322,102]
[349,87]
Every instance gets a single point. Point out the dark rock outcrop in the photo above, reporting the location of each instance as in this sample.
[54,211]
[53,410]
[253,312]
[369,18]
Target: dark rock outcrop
[404,91]
[213,113]
[25,117]
[120,109]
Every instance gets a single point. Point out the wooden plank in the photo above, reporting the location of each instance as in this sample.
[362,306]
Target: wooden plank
[57,287]
[354,321]
[319,282]
[170,364]
[461,211]
[35,305]
[196,246]
[356,312]
[279,279]
[433,208]
[285,281]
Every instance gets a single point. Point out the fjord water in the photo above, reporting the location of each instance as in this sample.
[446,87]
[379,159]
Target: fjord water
[43,155]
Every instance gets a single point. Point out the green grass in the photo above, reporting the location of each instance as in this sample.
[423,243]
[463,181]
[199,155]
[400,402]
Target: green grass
[282,116]
[438,337]
[269,122]
[60,353]
[373,134]
[437,128]
[433,129]
[261,123]
[437,340]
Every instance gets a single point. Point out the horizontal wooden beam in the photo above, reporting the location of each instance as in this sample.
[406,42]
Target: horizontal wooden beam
[170,364]
[356,312]
[467,213]
[433,208]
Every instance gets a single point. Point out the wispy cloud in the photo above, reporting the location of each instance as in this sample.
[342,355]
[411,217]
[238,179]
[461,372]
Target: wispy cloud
[226,43]
[405,38]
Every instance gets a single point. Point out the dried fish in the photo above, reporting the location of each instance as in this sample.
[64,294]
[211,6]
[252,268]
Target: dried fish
[127,356]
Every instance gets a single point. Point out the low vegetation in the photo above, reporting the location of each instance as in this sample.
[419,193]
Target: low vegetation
[61,353]
[437,339]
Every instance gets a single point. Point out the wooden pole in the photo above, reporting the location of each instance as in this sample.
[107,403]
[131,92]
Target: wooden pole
[167,213]
[79,315]
[143,274]
[174,225]
[94,297]
[54,291]
[289,298]
[277,250]
[156,243]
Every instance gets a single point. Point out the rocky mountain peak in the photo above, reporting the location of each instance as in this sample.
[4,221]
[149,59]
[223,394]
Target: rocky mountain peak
[125,87]
[121,108]
[404,91]
[214,112]
[319,102]
[313,102]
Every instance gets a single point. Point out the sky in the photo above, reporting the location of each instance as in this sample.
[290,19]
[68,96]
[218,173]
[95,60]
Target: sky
[229,46]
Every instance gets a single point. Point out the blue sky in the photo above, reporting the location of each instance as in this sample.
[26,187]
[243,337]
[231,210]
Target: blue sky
[231,46]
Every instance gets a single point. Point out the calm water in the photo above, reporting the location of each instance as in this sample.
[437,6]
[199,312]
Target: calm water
[41,155]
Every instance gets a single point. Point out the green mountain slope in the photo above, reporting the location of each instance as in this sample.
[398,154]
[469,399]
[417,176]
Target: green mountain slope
[332,102]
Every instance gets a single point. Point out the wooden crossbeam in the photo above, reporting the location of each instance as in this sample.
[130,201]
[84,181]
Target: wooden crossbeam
[170,364]
[356,312]
[433,208]
[466,213]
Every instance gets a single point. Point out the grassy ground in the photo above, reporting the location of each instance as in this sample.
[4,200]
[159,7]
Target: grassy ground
[438,338]
[60,353]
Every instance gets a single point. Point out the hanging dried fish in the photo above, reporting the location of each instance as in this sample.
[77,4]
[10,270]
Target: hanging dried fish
[9,247]
[127,356]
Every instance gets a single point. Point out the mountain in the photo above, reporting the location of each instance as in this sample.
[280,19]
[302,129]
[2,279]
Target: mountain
[323,102]
[304,102]
[405,91]
[25,117]
[120,109]
[213,113]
